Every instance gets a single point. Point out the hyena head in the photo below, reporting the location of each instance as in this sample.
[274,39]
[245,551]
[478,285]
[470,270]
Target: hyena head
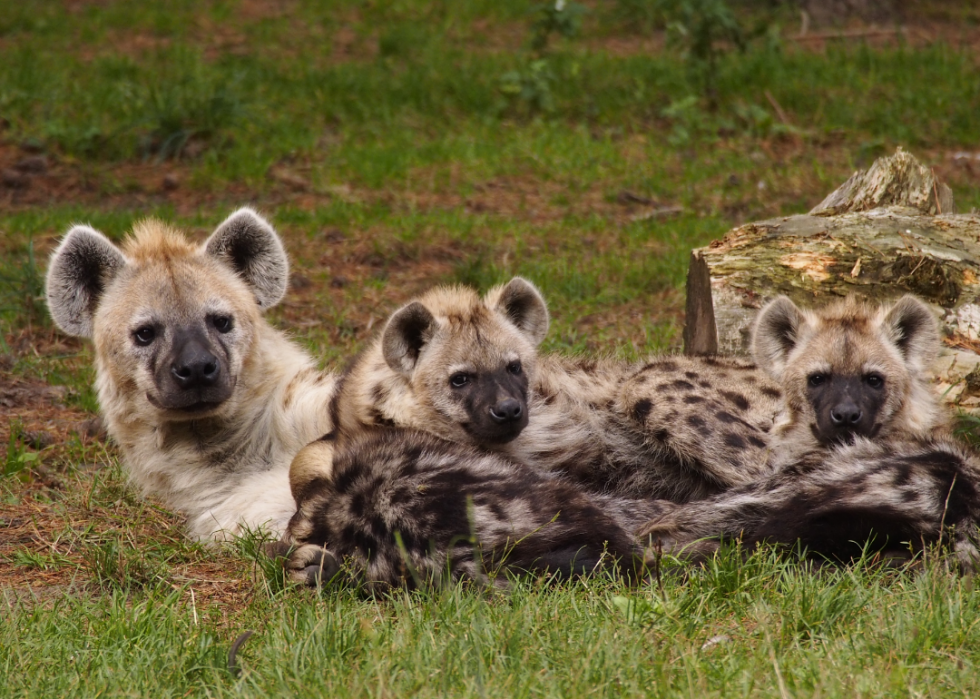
[851,369]
[173,323]
[467,360]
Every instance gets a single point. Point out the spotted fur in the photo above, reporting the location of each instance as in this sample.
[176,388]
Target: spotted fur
[405,508]
[207,402]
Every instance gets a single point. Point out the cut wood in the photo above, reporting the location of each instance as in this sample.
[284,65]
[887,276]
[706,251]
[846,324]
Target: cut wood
[879,235]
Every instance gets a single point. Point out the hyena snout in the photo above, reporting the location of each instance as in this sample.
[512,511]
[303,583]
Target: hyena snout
[846,407]
[846,414]
[195,366]
[507,411]
[194,376]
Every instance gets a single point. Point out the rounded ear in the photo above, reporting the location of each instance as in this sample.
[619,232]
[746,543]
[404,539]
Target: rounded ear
[523,305]
[79,271]
[775,333]
[911,325]
[248,244]
[406,333]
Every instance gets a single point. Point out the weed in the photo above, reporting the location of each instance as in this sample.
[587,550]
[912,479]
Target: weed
[254,546]
[18,459]
[115,564]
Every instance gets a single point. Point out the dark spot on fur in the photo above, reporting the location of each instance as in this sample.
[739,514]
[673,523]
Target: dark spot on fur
[736,399]
[667,366]
[770,392]
[682,385]
[641,409]
[756,442]
[726,417]
[329,436]
[661,435]
[691,374]
[704,384]
[691,400]
[734,440]
[695,421]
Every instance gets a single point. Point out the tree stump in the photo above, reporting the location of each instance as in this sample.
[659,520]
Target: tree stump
[887,231]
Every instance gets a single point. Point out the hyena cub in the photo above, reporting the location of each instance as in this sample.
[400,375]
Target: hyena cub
[860,452]
[207,401]
[377,475]
[466,369]
[408,508]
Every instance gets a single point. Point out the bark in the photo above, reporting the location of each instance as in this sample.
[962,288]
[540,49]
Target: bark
[879,235]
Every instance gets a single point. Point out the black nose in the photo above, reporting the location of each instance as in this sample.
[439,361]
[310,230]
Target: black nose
[507,410]
[845,415]
[195,366]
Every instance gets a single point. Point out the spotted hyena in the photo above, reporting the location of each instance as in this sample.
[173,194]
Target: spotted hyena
[861,452]
[406,508]
[466,369]
[207,402]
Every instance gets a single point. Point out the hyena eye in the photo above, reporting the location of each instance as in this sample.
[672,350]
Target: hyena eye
[514,368]
[459,379]
[874,380]
[144,335]
[815,380]
[223,324]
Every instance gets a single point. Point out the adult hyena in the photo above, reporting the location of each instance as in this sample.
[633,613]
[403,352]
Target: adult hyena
[861,451]
[207,402]
[466,368]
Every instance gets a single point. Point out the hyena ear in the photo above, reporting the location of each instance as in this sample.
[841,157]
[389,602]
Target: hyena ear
[406,333]
[80,269]
[248,244]
[911,325]
[523,305]
[775,334]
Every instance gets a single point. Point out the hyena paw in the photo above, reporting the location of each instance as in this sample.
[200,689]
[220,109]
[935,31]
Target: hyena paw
[965,549]
[311,565]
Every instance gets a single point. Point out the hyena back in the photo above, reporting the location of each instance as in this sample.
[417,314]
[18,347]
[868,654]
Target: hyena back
[466,368]
[207,402]
[861,452]
[407,508]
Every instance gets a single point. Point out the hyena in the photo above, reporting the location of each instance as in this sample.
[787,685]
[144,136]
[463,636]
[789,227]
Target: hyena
[207,402]
[861,452]
[466,369]
[406,508]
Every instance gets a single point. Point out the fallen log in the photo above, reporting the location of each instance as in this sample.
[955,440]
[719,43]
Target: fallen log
[887,231]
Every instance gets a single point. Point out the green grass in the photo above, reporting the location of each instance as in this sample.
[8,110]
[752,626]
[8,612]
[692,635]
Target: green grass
[417,169]
[760,628]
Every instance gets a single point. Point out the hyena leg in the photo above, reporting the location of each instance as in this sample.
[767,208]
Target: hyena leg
[311,565]
[313,462]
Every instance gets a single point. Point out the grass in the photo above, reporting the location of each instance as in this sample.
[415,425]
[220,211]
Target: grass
[378,139]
